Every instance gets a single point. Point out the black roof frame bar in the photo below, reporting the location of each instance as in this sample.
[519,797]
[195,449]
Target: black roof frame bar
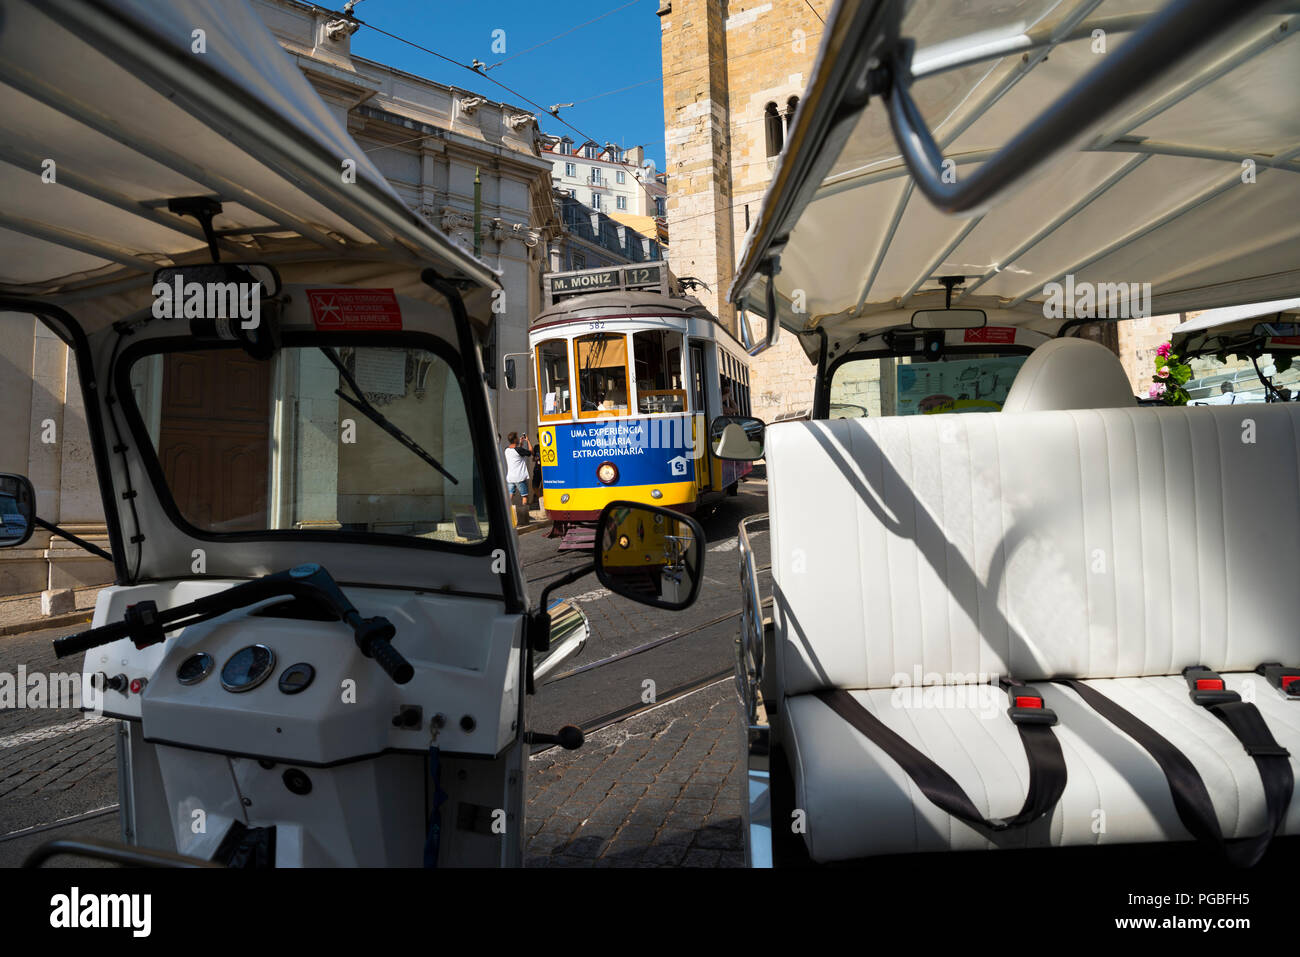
[1180,29]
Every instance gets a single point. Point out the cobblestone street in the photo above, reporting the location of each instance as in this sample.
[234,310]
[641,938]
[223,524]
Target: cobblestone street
[661,789]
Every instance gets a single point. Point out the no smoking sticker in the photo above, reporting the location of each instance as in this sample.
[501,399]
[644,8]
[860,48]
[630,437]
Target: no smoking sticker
[356,310]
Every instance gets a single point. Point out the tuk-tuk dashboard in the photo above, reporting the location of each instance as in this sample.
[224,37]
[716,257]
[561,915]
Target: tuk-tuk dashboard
[275,681]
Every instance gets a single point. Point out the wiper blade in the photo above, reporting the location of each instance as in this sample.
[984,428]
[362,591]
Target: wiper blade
[362,405]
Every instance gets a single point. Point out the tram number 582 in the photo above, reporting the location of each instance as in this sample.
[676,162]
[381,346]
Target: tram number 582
[595,325]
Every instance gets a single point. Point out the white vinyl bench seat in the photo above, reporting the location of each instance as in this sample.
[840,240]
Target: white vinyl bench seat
[859,803]
[1114,545]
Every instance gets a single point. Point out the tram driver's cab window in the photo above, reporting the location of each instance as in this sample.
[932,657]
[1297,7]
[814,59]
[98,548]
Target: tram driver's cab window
[657,358]
[553,378]
[602,373]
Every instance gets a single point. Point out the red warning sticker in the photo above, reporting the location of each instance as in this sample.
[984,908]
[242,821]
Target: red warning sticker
[354,310]
[997,334]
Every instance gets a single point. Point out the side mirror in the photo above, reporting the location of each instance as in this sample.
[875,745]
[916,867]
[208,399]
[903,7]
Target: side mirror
[568,636]
[652,555]
[511,367]
[737,438]
[17,510]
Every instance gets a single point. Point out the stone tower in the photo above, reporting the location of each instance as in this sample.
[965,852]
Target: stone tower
[733,75]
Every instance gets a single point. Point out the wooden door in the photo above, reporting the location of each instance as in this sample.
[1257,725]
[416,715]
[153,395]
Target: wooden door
[214,440]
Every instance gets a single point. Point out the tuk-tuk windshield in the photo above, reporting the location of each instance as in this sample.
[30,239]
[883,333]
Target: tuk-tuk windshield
[246,445]
[890,385]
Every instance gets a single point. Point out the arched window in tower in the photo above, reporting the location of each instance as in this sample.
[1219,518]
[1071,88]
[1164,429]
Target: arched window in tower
[791,105]
[775,134]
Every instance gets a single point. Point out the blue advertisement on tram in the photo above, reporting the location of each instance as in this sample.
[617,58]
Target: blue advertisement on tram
[656,451]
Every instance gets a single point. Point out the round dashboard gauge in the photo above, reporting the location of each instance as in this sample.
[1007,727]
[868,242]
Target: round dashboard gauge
[194,668]
[247,668]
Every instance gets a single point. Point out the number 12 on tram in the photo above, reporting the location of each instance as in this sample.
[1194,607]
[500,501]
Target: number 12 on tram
[627,379]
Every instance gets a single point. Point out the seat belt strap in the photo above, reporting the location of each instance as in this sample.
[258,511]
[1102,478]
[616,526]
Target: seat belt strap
[1248,726]
[1047,774]
[1191,799]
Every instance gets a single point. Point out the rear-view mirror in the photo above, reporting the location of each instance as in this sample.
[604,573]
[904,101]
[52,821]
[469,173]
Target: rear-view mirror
[949,319]
[205,275]
[652,555]
[17,510]
[737,438]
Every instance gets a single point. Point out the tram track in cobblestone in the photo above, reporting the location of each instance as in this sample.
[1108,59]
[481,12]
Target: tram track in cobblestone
[647,646]
[599,723]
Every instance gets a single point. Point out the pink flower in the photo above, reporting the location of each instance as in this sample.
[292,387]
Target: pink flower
[1163,373]
[1165,349]
[1157,391]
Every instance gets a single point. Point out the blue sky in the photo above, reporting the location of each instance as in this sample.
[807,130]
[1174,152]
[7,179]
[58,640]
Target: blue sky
[617,51]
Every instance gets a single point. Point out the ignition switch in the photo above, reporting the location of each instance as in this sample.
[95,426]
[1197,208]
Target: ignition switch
[115,683]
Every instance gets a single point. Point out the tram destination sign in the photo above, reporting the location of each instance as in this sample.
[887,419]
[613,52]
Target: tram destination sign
[613,279]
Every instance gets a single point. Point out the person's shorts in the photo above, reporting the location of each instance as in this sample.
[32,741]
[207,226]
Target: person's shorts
[520,487]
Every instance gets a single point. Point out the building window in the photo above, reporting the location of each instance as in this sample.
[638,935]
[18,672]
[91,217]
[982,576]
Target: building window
[772,125]
[622,202]
[570,169]
[595,174]
[595,200]
[620,177]
[589,152]
[579,261]
[661,206]
[791,105]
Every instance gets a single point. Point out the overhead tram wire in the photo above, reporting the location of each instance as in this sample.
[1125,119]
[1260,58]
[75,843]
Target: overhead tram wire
[558,35]
[513,92]
[543,110]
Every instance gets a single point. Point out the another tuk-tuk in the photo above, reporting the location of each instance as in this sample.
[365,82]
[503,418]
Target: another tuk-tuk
[319,643]
[1020,601]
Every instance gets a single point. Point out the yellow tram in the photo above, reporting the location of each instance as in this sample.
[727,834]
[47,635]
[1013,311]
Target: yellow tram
[629,370]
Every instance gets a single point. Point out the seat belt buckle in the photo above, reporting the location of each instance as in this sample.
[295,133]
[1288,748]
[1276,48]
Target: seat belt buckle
[1284,679]
[1027,705]
[1206,687]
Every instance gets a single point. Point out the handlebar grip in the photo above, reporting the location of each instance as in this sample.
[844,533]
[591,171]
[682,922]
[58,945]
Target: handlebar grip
[391,660]
[90,638]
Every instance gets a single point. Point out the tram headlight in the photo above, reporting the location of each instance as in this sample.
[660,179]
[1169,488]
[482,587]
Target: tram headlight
[607,473]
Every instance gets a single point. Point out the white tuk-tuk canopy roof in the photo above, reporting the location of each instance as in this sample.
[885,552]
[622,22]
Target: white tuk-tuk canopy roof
[1234,315]
[1191,183]
[110,109]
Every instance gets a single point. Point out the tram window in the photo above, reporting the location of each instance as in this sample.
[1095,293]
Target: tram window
[657,355]
[602,372]
[553,377]
[735,401]
[896,386]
